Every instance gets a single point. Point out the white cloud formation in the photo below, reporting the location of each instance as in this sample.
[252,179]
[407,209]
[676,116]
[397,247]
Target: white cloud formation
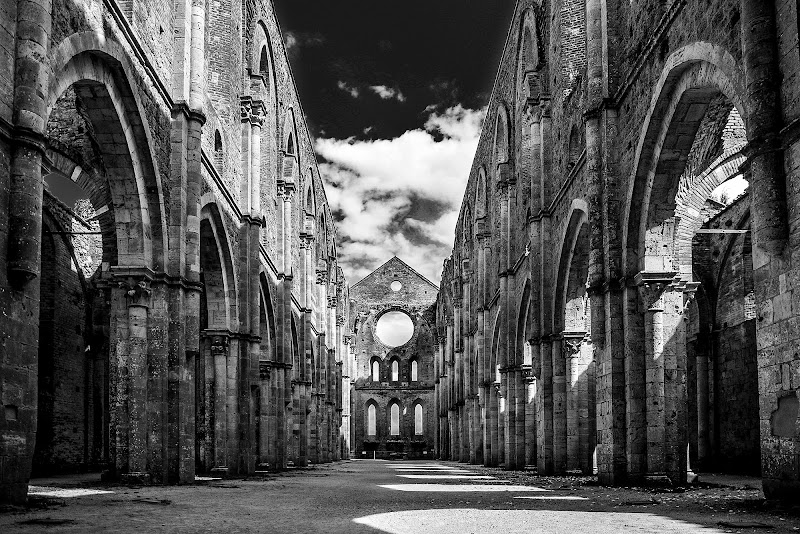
[388,93]
[401,196]
[344,86]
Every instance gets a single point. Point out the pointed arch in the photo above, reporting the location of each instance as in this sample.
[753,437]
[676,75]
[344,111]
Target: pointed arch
[692,77]
[481,208]
[572,273]
[216,266]
[502,136]
[99,70]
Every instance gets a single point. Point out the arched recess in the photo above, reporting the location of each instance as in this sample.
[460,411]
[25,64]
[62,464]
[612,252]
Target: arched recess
[481,207]
[670,172]
[692,77]
[290,167]
[71,394]
[375,369]
[99,72]
[575,366]
[371,419]
[269,345]
[419,418]
[502,138]
[263,87]
[217,273]
[529,61]
[394,416]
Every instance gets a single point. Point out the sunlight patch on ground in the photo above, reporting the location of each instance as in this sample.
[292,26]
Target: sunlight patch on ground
[448,477]
[526,522]
[64,493]
[205,479]
[445,471]
[553,498]
[472,488]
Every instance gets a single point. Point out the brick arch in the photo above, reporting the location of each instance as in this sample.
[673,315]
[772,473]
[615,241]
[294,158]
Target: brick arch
[216,262]
[98,193]
[689,213]
[290,169]
[267,319]
[502,137]
[481,207]
[692,77]
[492,360]
[525,321]
[261,42]
[98,75]
[530,59]
[569,304]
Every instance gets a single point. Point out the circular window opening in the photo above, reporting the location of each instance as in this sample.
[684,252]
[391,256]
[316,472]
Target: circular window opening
[394,328]
[396,286]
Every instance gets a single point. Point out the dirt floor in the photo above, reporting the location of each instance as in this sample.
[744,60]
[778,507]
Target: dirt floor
[401,498]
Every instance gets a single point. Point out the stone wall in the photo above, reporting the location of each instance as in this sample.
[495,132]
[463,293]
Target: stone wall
[616,152]
[163,119]
[372,297]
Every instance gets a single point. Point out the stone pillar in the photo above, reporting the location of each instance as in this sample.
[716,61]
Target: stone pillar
[530,420]
[571,348]
[130,401]
[665,352]
[765,159]
[220,403]
[544,409]
[21,185]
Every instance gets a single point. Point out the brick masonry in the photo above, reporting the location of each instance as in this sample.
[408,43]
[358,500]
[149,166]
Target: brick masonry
[188,313]
[626,116]
[372,297]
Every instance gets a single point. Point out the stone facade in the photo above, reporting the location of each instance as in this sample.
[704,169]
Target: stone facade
[387,377]
[187,314]
[583,309]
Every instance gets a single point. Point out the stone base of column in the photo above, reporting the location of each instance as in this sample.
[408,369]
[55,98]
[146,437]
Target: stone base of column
[135,479]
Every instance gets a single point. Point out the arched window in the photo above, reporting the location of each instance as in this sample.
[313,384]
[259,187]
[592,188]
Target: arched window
[376,371]
[217,148]
[395,371]
[394,425]
[263,62]
[290,145]
[309,203]
[418,420]
[371,421]
[414,371]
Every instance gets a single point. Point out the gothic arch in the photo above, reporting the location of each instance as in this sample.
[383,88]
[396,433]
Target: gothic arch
[100,71]
[691,78]
[502,136]
[216,262]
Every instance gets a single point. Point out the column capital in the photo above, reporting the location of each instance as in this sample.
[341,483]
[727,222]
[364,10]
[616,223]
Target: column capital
[136,287]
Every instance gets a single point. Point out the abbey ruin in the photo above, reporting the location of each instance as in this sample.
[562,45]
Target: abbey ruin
[622,298]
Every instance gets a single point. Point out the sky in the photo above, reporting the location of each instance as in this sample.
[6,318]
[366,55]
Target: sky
[394,94]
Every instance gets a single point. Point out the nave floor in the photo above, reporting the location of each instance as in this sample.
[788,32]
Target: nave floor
[373,496]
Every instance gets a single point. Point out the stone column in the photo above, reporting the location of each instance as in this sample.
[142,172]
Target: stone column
[220,403]
[571,348]
[544,409]
[131,395]
[665,352]
[765,158]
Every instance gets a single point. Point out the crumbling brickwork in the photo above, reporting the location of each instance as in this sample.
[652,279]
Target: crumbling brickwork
[393,287]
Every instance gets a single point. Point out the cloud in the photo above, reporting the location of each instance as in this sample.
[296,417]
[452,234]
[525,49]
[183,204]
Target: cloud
[388,93]
[401,196]
[294,40]
[347,88]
